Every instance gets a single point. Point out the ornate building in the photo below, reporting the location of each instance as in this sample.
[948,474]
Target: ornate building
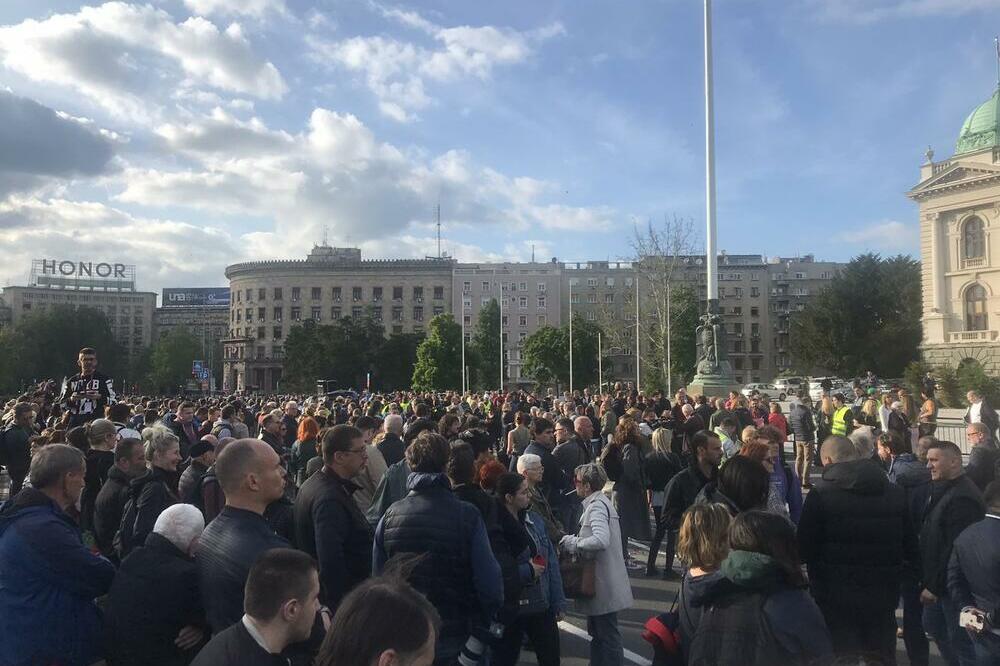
[959,200]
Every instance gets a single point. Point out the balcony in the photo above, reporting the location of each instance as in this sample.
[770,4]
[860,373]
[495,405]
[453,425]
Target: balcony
[973,336]
[974,262]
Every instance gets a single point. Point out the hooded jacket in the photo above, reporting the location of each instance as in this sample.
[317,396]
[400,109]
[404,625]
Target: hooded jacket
[108,509]
[48,583]
[856,536]
[148,496]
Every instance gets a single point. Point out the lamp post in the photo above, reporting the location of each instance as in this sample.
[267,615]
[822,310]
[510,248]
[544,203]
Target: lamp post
[571,337]
[600,365]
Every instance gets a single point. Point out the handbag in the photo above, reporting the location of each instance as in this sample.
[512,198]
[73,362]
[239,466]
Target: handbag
[663,633]
[579,575]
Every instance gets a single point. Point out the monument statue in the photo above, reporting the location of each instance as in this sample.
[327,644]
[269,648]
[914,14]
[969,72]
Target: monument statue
[711,336]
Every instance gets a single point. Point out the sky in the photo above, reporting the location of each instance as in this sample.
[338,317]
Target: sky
[185,135]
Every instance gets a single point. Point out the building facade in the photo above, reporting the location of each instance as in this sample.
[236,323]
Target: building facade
[208,323]
[959,211]
[269,297]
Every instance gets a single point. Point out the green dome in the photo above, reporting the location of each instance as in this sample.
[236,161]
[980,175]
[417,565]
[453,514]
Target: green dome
[982,127]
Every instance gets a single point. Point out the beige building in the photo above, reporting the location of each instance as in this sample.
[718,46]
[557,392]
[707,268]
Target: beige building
[530,300]
[959,209]
[269,297]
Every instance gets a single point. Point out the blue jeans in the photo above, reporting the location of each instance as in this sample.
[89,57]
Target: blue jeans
[987,650]
[606,647]
[941,622]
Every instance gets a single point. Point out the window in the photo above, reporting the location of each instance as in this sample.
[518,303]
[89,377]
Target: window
[523,286]
[973,241]
[522,302]
[249,315]
[397,293]
[754,292]
[261,294]
[239,296]
[467,302]
[739,292]
[276,333]
[357,311]
[738,328]
[316,293]
[377,294]
[377,313]
[628,282]
[468,320]
[277,293]
[610,282]
[418,313]
[486,285]
[800,276]
[755,277]
[575,298]
[296,314]
[591,282]
[438,293]
[754,346]
[503,321]
[541,287]
[541,320]
[467,287]
[336,295]
[755,330]
[738,346]
[484,301]
[573,282]
[522,320]
[249,295]
[261,314]
[541,301]
[438,309]
[296,293]
[276,351]
[356,294]
[314,313]
[976,318]
[591,315]
[418,294]
[754,312]
[335,313]
[591,298]
[609,298]
[397,313]
[738,363]
[755,363]
[260,332]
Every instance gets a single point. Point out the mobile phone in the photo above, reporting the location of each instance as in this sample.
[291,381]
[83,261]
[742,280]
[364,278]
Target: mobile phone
[972,618]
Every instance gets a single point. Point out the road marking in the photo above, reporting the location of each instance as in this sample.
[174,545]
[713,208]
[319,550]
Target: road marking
[571,628]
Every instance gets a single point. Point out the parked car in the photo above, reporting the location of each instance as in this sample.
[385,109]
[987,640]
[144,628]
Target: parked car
[787,385]
[762,389]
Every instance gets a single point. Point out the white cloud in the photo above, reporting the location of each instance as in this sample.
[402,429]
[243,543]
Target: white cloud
[254,8]
[124,57]
[872,11]
[889,235]
[397,72]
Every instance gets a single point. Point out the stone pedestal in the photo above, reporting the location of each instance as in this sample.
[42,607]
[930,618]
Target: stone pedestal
[717,384]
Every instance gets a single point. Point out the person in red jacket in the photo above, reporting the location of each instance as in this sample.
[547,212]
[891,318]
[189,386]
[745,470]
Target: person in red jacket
[778,420]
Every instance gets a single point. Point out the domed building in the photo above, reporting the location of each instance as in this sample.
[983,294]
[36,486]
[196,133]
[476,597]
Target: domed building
[959,200]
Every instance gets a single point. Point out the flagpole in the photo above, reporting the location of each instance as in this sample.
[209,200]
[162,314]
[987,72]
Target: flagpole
[463,347]
[571,337]
[638,328]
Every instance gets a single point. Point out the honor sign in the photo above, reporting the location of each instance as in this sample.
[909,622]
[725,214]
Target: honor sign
[82,274]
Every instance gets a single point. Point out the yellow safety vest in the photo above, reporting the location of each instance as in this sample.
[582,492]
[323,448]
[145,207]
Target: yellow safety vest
[839,423]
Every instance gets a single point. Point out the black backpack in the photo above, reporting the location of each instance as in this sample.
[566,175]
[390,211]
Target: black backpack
[611,460]
[660,467]
[734,630]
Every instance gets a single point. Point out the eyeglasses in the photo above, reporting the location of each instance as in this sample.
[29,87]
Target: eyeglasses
[363,451]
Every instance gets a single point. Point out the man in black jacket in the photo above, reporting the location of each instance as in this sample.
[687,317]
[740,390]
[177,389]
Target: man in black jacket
[154,612]
[251,477]
[954,504]
[15,450]
[328,523]
[391,446]
[554,481]
[706,448]
[984,456]
[184,426]
[282,600]
[130,463]
[981,412]
[86,394]
[856,537]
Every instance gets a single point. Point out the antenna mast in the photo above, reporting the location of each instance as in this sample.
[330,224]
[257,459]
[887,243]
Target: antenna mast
[439,229]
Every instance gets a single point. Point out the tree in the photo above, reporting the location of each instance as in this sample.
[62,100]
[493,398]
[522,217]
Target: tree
[46,344]
[305,357]
[345,351]
[439,356]
[545,354]
[395,362]
[170,360]
[867,318]
[486,345]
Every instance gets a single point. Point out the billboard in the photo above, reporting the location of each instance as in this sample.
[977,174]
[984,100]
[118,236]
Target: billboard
[195,296]
[77,274]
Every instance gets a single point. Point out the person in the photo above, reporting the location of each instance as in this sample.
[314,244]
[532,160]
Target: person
[984,457]
[954,504]
[86,395]
[303,449]
[758,611]
[896,461]
[629,491]
[720,413]
[974,575]
[328,523]
[927,419]
[868,414]
[109,505]
[742,484]
[49,579]
[202,455]
[691,424]
[290,419]
[150,493]
[154,612]
[458,572]
[600,537]
[680,494]
[661,465]
[554,482]
[541,603]
[804,428]
[778,421]
[785,495]
[981,412]
[897,422]
[368,477]
[842,419]
[702,545]
[281,603]
[226,425]
[571,449]
[184,427]
[530,465]
[726,430]
[855,537]
[100,456]
[383,621]
[272,430]
[391,446]
[15,451]
[251,476]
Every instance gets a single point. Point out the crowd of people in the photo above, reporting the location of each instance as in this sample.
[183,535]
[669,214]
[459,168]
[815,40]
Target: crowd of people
[440,528]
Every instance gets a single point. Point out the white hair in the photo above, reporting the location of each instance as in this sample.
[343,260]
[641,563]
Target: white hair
[528,460]
[394,423]
[158,438]
[863,441]
[580,419]
[687,409]
[180,524]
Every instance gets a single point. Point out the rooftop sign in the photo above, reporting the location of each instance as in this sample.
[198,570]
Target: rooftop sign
[73,274]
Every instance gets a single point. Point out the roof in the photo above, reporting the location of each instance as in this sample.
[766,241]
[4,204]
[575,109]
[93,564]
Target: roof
[981,129]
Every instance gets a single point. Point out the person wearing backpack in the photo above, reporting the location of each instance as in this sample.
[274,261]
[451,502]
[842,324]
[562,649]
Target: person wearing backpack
[706,451]
[661,466]
[758,611]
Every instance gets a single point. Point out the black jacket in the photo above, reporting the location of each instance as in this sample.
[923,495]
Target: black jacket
[189,486]
[855,535]
[571,454]
[185,442]
[330,527]
[148,496]
[800,420]
[392,448]
[982,465]
[988,417]
[99,463]
[108,509]
[226,550]
[974,568]
[951,507]
[681,493]
[154,595]
[236,647]
[553,477]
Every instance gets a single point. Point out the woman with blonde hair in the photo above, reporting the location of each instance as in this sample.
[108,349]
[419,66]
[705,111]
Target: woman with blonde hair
[661,466]
[748,434]
[702,545]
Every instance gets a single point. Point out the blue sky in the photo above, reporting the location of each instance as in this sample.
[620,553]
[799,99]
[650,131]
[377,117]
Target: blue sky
[183,135]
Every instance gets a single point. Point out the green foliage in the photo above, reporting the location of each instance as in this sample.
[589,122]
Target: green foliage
[545,354]
[345,351]
[972,376]
[395,361]
[913,376]
[868,317]
[949,391]
[46,344]
[486,346]
[439,356]
[170,361]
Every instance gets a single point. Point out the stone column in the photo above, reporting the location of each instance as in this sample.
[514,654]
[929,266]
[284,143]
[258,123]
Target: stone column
[938,247]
